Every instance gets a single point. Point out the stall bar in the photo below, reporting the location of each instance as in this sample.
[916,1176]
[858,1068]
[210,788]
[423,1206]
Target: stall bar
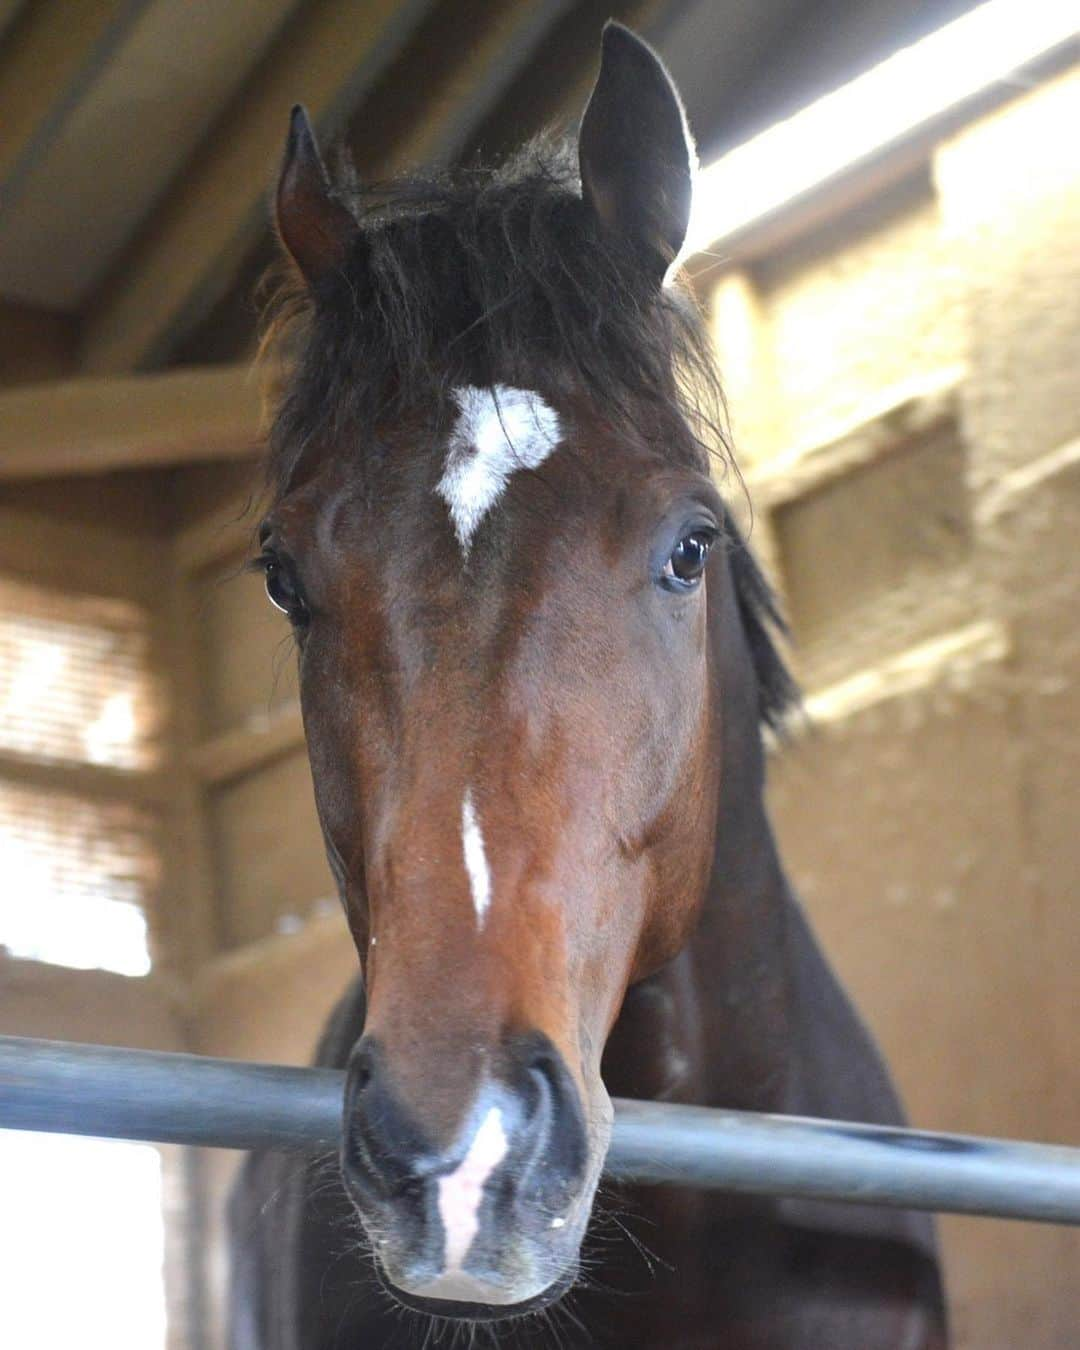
[186,1099]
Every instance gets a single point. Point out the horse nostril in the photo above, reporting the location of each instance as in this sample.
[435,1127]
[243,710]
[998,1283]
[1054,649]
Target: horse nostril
[523,1137]
[413,1190]
[361,1067]
[360,1077]
[360,1145]
[548,1064]
[384,1152]
[542,1097]
[361,1086]
[549,1081]
[554,1146]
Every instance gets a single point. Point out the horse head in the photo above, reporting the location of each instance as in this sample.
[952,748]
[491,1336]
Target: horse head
[496,536]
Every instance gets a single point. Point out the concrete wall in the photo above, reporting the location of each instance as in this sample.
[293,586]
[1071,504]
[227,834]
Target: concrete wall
[903,387]
[102,539]
[96,539]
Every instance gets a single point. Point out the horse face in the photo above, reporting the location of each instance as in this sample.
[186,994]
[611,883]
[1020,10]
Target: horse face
[503,662]
[504,674]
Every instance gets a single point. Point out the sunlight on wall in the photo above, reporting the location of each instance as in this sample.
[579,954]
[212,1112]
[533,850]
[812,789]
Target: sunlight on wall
[82,1243]
[71,931]
[79,865]
[74,679]
[981,48]
[76,873]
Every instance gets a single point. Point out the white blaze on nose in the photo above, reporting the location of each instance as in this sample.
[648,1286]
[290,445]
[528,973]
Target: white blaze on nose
[499,430]
[476,864]
[460,1193]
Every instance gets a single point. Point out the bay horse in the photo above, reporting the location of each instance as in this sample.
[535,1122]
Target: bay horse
[535,660]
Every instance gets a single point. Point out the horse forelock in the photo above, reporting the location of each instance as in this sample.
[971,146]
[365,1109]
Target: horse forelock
[477,280]
[478,277]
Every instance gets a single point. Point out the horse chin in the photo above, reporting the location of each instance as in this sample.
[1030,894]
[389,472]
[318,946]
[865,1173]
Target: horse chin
[459,1310]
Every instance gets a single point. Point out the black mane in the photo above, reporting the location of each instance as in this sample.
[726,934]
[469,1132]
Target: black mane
[778,694]
[481,276]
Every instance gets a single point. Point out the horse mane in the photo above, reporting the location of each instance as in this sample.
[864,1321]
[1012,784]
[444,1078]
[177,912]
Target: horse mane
[480,275]
[762,623]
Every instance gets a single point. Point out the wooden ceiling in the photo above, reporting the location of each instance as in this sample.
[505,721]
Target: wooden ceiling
[139,140]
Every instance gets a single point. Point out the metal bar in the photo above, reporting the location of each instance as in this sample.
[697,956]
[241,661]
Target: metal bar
[835,1160]
[64,1088]
[135,1094]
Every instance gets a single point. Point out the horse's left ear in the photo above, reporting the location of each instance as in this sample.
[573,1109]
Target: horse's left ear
[315,226]
[637,158]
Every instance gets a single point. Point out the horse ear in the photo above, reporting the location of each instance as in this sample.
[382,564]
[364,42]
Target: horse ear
[315,227]
[636,155]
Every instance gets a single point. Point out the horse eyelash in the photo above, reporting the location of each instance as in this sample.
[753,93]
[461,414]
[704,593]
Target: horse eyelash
[258,562]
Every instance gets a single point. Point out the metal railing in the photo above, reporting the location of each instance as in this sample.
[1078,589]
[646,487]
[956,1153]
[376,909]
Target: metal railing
[65,1088]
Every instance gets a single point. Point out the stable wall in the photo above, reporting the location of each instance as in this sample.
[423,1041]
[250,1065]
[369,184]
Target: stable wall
[103,539]
[903,385]
[100,539]
[269,950]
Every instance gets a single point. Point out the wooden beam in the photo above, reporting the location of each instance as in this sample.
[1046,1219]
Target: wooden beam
[241,750]
[50,57]
[9,11]
[188,914]
[35,343]
[94,781]
[905,415]
[216,535]
[57,1003]
[553,88]
[326,58]
[466,59]
[90,425]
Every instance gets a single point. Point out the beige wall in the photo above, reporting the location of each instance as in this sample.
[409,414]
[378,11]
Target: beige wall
[904,394]
[268,952]
[96,539]
[103,539]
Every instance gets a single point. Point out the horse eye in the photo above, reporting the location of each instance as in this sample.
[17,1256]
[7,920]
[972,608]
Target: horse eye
[282,589]
[684,567]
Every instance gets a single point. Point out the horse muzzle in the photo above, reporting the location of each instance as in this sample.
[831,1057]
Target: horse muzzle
[490,1225]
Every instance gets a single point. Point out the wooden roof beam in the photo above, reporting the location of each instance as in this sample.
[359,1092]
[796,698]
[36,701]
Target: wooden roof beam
[468,61]
[552,90]
[92,424]
[51,55]
[35,343]
[176,277]
[326,57]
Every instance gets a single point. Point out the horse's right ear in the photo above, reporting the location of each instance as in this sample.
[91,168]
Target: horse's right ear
[315,227]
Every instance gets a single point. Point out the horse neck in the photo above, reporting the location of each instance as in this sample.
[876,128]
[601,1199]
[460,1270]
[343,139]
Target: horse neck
[712,1027]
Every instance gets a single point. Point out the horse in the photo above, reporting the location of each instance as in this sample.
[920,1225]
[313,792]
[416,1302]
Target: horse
[536,662]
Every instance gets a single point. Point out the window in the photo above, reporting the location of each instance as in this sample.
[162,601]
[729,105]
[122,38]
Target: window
[77,850]
[82,1243]
[76,875]
[74,683]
